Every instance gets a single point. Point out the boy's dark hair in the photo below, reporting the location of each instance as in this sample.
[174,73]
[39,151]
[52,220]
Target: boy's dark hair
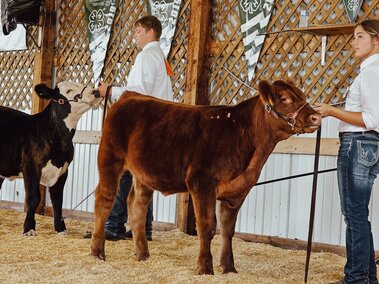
[370,26]
[150,22]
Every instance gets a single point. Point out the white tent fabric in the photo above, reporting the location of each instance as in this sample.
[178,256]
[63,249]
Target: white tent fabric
[16,40]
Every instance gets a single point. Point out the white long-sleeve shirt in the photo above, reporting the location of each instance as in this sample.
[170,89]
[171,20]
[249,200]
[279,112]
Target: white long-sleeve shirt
[363,96]
[148,75]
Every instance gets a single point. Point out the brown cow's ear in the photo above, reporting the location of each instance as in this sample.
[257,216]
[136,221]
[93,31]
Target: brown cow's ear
[290,81]
[266,92]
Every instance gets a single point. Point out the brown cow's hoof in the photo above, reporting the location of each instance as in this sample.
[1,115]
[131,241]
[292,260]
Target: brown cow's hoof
[142,256]
[97,252]
[99,256]
[228,270]
[207,271]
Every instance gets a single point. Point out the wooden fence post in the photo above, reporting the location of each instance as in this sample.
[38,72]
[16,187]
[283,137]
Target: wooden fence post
[196,90]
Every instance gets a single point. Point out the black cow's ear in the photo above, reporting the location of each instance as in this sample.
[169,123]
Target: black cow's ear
[45,92]
[266,92]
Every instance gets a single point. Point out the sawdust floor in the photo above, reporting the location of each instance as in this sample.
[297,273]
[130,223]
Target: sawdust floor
[51,258]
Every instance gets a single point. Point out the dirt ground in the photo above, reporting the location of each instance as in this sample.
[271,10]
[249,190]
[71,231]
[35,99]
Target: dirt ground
[52,258]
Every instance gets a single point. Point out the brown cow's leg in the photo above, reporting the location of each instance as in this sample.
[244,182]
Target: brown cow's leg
[110,170]
[228,217]
[204,200]
[138,201]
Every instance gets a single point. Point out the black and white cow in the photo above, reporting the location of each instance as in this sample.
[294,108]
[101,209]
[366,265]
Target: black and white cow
[39,147]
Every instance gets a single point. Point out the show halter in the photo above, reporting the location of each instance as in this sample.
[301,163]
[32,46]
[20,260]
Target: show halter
[76,98]
[290,119]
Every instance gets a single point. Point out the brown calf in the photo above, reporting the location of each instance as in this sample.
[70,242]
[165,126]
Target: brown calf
[213,152]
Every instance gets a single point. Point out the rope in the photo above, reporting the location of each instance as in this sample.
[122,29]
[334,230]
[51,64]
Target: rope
[106,102]
[239,80]
[82,201]
[295,176]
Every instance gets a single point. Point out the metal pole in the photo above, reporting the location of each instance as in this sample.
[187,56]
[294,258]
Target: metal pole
[313,204]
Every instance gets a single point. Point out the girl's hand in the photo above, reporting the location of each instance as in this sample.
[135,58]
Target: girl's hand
[323,109]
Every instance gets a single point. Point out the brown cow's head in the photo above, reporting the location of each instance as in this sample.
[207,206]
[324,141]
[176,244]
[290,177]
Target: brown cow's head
[284,101]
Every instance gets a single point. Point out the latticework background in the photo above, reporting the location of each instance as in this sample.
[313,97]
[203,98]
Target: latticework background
[284,55]
[16,74]
[74,56]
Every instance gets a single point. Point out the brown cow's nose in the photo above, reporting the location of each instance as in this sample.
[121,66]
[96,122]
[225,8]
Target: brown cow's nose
[315,119]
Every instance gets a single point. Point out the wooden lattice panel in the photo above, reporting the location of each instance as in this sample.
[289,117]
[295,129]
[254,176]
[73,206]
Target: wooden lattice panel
[178,52]
[73,52]
[292,55]
[16,75]
[285,55]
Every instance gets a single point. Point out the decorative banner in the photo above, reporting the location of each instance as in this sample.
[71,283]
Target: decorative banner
[255,15]
[99,15]
[167,11]
[352,8]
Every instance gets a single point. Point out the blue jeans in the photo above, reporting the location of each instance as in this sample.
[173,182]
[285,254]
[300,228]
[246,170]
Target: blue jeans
[357,168]
[119,213]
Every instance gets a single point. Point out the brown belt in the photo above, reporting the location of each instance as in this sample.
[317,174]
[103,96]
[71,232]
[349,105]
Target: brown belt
[360,132]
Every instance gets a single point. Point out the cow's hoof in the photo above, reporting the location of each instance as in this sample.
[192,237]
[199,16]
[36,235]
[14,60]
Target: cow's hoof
[99,256]
[229,270]
[30,233]
[63,233]
[142,256]
[207,271]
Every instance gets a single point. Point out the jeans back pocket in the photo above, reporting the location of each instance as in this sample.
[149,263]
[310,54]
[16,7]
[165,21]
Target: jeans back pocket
[368,152]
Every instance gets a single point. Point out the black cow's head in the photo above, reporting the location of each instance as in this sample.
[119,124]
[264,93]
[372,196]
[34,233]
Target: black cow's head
[69,92]
[73,99]
[285,102]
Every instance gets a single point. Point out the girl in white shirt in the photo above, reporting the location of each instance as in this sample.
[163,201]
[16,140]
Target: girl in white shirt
[358,156]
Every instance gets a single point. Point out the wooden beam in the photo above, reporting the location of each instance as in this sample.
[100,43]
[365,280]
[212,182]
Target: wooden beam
[198,52]
[43,67]
[303,145]
[196,89]
[87,137]
[43,61]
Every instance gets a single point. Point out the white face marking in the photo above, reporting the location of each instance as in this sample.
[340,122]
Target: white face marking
[88,100]
[51,173]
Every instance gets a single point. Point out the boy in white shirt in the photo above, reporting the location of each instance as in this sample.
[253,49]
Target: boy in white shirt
[150,75]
